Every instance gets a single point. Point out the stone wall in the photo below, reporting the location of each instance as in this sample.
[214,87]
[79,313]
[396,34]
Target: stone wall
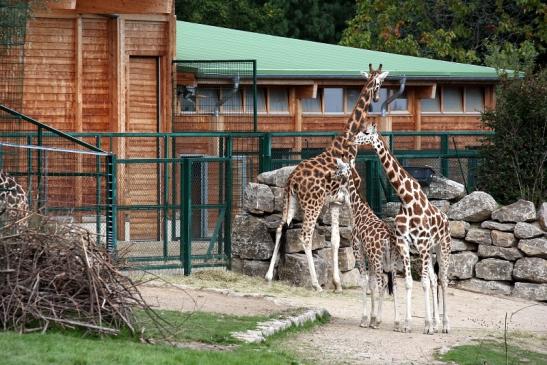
[501,250]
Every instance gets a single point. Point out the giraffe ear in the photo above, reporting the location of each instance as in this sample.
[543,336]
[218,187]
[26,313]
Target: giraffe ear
[365,74]
[383,75]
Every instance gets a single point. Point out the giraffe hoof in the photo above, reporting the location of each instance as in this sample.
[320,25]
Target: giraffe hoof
[338,291]
[446,328]
[318,288]
[406,328]
[364,322]
[428,329]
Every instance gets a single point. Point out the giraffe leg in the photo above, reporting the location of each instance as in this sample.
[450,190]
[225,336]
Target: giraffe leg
[442,258]
[306,236]
[433,281]
[288,214]
[405,254]
[381,281]
[373,284]
[396,323]
[335,242]
[364,287]
[426,285]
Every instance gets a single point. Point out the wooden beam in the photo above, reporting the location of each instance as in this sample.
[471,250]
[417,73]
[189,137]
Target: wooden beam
[78,101]
[426,92]
[125,6]
[61,4]
[308,91]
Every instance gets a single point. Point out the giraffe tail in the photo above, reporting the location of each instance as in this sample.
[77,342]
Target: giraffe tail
[389,265]
[390,279]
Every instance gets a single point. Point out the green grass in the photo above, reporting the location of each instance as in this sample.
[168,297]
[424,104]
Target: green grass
[75,348]
[492,353]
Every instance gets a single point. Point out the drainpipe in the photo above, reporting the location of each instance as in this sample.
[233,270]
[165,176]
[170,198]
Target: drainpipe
[402,84]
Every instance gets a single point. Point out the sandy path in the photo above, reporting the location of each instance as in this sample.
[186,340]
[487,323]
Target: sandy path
[342,341]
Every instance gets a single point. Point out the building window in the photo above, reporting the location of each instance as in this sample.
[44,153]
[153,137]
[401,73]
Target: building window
[278,100]
[333,100]
[352,95]
[455,99]
[232,101]
[400,104]
[207,100]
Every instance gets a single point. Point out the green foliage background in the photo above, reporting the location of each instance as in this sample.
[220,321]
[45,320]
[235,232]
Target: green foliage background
[516,155]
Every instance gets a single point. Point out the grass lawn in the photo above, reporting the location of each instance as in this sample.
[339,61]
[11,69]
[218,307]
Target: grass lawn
[492,353]
[75,348]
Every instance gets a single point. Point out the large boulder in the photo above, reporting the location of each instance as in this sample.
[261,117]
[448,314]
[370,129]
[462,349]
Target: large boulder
[345,235]
[504,227]
[474,207]
[479,235]
[294,245]
[527,230]
[326,255]
[294,269]
[534,247]
[258,198]
[542,216]
[442,205]
[461,245]
[350,279]
[279,198]
[532,269]
[250,238]
[519,211]
[503,239]
[277,177]
[531,291]
[494,269]
[346,259]
[458,229]
[255,267]
[461,265]
[391,209]
[488,287]
[344,218]
[506,253]
[442,188]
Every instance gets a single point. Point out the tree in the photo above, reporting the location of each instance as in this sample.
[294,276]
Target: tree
[515,156]
[470,31]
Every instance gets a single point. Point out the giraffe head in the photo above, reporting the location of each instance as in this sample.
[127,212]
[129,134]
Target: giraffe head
[343,169]
[374,80]
[371,136]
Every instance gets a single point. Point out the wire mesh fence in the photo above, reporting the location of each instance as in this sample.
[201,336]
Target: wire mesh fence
[60,176]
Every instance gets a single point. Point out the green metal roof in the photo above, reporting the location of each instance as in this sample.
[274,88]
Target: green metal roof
[287,57]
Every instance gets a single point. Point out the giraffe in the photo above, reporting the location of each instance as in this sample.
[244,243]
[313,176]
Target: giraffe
[13,198]
[309,187]
[372,239]
[420,223]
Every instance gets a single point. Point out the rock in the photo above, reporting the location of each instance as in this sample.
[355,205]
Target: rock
[475,207]
[391,209]
[542,216]
[532,269]
[350,279]
[534,247]
[346,259]
[237,264]
[494,269]
[527,230]
[344,219]
[272,221]
[255,268]
[250,238]
[479,235]
[485,286]
[442,205]
[294,245]
[345,235]
[444,189]
[279,198]
[461,265]
[520,211]
[294,269]
[458,229]
[505,227]
[531,291]
[258,198]
[503,239]
[460,245]
[510,254]
[277,177]
[326,255]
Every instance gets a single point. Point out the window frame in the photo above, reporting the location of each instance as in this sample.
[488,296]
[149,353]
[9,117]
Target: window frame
[463,103]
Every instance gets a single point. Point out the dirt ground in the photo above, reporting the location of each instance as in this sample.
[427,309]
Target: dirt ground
[342,341]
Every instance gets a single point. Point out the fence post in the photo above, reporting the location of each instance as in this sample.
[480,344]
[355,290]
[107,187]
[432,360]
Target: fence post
[111,204]
[255,103]
[372,188]
[228,190]
[165,203]
[39,187]
[266,153]
[186,215]
[444,153]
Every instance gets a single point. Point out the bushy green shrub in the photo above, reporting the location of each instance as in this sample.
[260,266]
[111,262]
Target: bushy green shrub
[515,156]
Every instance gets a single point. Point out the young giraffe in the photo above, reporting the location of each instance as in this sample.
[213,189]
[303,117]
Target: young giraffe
[372,239]
[13,198]
[309,187]
[422,224]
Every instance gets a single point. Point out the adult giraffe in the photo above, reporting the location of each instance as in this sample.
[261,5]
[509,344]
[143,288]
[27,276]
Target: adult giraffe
[420,223]
[310,187]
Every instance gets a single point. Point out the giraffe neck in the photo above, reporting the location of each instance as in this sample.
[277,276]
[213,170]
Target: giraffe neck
[403,183]
[358,203]
[342,149]
[359,113]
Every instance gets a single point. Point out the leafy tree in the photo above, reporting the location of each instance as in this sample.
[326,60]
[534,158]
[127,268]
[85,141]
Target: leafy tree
[515,156]
[471,31]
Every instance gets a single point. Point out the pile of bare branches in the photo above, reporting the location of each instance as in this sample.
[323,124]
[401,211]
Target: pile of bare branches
[53,274]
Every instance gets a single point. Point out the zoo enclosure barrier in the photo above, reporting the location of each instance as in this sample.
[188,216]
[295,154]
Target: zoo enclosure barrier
[63,177]
[176,201]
